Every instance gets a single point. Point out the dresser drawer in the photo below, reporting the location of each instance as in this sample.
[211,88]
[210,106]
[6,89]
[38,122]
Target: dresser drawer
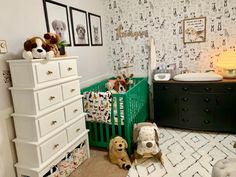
[53,145]
[71,89]
[68,68]
[47,72]
[73,109]
[51,122]
[49,97]
[76,129]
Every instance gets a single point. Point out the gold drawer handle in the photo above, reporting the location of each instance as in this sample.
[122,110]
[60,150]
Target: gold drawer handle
[69,69]
[52,98]
[72,90]
[49,72]
[78,129]
[53,122]
[55,146]
[76,110]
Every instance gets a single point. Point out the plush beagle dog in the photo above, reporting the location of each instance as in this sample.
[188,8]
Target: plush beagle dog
[36,48]
[146,135]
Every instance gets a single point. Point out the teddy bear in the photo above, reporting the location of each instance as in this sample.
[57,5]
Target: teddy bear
[146,135]
[118,154]
[36,48]
[51,40]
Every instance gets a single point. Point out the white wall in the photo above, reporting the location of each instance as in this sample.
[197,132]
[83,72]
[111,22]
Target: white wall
[25,18]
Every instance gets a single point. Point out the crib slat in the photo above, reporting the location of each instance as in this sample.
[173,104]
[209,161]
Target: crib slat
[101,132]
[96,132]
[118,114]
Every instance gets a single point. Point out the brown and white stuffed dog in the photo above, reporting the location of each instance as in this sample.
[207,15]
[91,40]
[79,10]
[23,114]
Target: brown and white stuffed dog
[36,48]
[51,40]
[146,135]
[118,154]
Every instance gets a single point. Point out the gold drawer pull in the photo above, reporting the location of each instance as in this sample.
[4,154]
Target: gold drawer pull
[78,129]
[53,122]
[76,110]
[49,72]
[72,90]
[52,98]
[55,146]
[69,69]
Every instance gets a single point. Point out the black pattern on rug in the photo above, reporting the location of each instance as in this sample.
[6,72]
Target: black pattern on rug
[187,153]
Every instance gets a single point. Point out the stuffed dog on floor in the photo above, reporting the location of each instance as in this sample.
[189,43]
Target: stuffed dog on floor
[146,135]
[118,154]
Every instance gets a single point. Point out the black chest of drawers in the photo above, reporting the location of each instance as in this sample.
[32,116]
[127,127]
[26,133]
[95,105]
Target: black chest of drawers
[196,105]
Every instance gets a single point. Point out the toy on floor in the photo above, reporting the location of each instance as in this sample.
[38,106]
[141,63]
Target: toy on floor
[118,154]
[146,135]
[36,48]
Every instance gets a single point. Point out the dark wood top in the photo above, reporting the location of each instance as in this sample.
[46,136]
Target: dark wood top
[197,82]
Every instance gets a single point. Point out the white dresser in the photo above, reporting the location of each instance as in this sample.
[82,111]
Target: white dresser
[48,113]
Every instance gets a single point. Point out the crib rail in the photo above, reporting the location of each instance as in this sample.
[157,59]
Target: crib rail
[126,109]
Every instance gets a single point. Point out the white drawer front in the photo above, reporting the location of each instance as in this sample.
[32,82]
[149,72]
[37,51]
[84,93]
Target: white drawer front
[71,89]
[47,72]
[51,122]
[76,129]
[49,97]
[68,68]
[53,145]
[73,109]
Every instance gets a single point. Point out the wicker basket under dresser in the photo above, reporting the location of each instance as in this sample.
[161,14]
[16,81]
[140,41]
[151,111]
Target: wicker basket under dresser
[48,113]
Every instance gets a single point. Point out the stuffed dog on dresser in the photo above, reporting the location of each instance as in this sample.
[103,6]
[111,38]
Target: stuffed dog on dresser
[146,135]
[118,154]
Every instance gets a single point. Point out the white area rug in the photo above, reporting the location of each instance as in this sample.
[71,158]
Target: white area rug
[187,154]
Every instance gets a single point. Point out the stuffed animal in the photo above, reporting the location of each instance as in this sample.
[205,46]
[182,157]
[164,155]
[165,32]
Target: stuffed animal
[36,48]
[146,135]
[51,40]
[118,154]
[110,86]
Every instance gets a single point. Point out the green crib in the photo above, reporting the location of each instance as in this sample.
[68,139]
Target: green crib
[133,109]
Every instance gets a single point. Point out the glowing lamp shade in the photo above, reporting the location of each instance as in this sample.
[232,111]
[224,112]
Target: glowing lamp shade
[227,64]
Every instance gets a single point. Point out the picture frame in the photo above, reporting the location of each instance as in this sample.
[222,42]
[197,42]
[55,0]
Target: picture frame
[95,27]
[194,30]
[79,27]
[56,15]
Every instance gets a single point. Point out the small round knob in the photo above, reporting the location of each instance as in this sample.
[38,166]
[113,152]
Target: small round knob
[206,110]
[206,121]
[185,99]
[166,87]
[206,100]
[229,88]
[207,89]
[185,89]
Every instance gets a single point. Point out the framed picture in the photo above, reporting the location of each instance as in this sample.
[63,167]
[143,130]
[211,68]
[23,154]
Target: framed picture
[194,30]
[95,27]
[56,16]
[79,27]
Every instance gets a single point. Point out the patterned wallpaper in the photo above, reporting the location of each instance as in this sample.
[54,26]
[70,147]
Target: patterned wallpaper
[163,20]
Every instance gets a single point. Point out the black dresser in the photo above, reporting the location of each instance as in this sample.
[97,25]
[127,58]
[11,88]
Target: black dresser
[196,105]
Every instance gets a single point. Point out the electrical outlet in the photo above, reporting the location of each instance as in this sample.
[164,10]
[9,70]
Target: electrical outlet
[6,76]
[3,46]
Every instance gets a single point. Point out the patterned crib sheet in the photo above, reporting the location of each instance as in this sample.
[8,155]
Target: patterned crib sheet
[97,105]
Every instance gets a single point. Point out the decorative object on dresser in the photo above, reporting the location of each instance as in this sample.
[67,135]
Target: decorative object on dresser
[49,118]
[196,105]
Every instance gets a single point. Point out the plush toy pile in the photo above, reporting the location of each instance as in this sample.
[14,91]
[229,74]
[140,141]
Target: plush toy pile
[39,48]
[119,85]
